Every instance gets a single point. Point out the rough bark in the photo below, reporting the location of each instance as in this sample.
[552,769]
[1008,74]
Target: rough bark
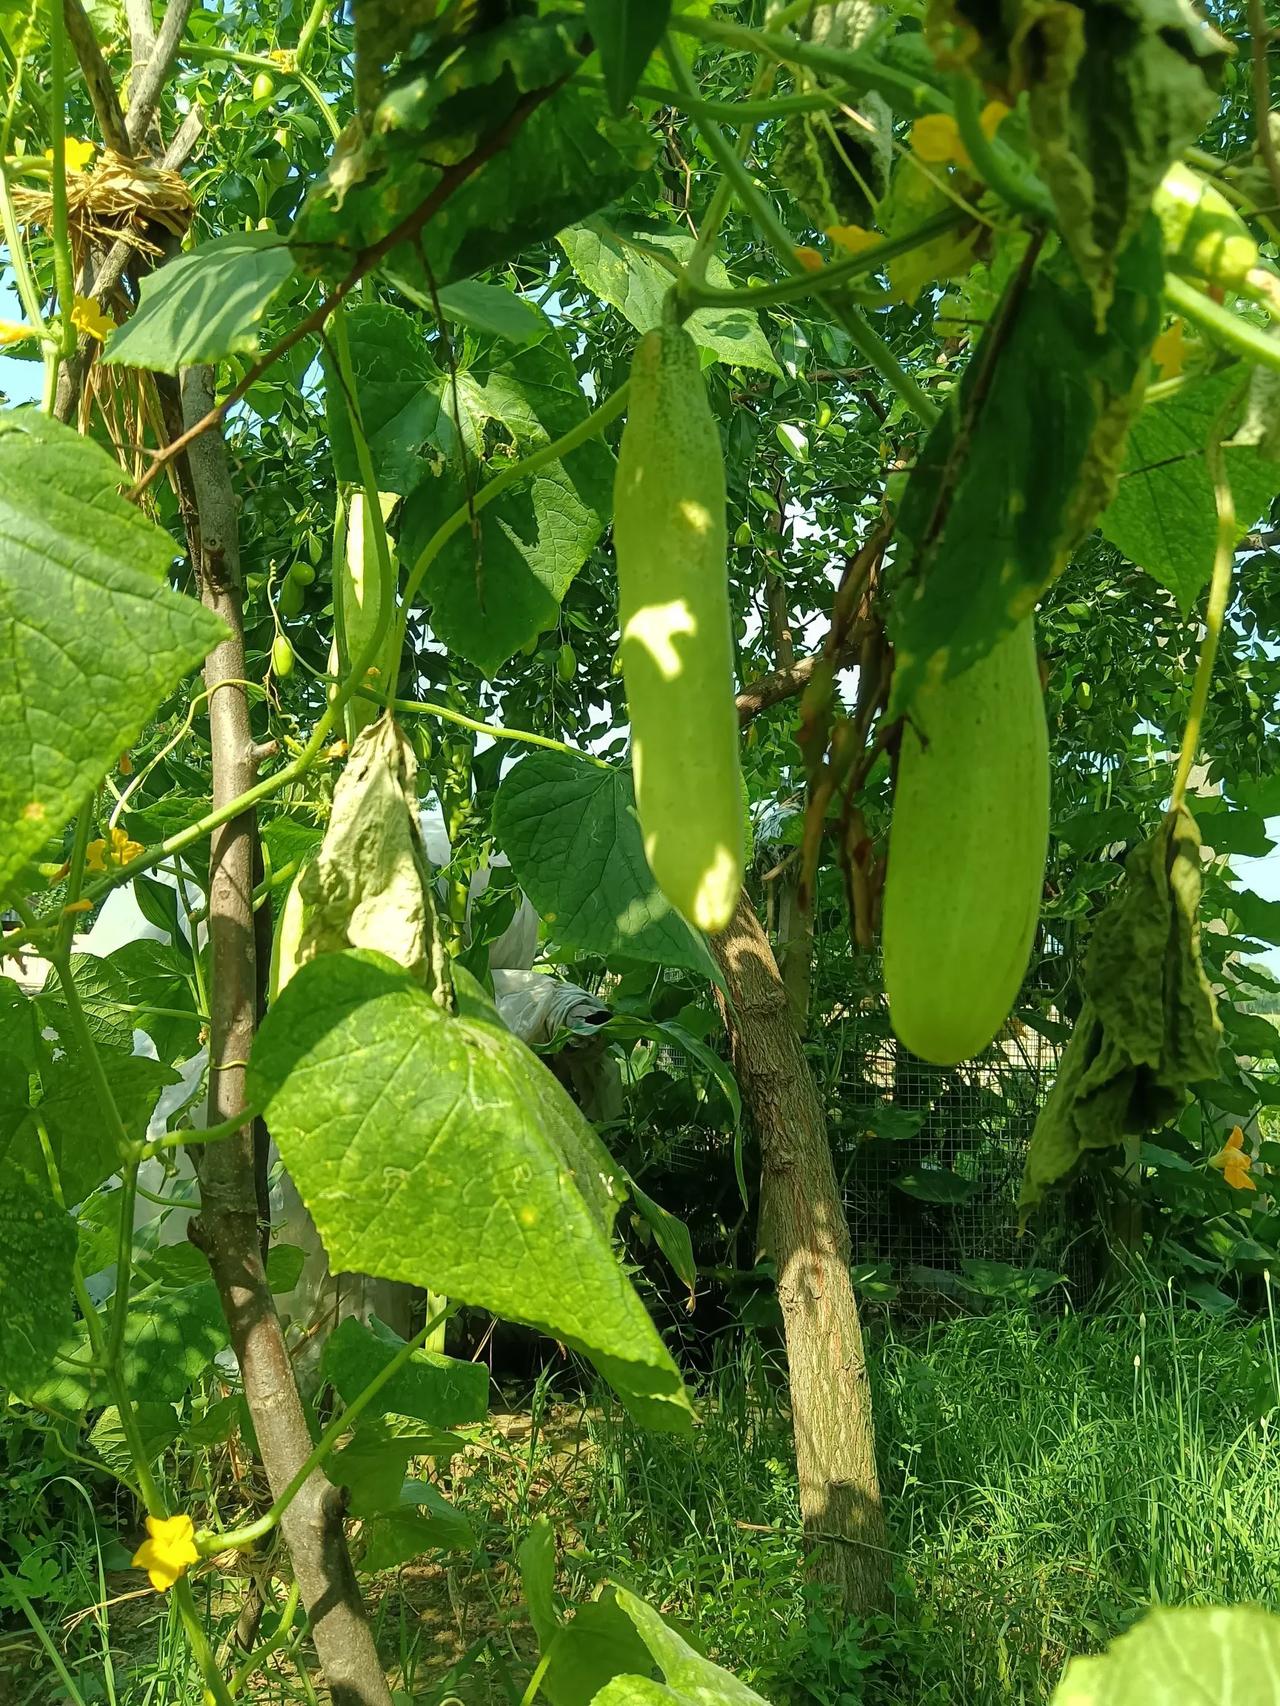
[803,1229]
[227,1228]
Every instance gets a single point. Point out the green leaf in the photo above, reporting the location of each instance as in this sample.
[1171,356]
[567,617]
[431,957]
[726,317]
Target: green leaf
[82,1147]
[285,1263]
[625,33]
[1163,516]
[570,832]
[489,598]
[432,1388]
[401,395]
[595,1644]
[1214,1655]
[568,158]
[91,640]
[492,308]
[116,989]
[204,306]
[169,1341]
[670,1234]
[935,1184]
[373,1465]
[37,1252]
[989,517]
[617,269]
[424,1522]
[1004,1279]
[157,1423]
[440,1151]
[691,1678]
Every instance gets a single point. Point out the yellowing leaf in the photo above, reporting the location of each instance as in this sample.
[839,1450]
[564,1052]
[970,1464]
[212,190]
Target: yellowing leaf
[87,316]
[853,239]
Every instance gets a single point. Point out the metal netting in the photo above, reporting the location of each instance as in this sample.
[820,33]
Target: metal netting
[930,1159]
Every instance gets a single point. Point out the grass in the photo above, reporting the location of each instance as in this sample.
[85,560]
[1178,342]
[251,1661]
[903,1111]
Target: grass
[1047,1477]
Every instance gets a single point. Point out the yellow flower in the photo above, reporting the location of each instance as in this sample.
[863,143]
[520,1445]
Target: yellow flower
[1169,351]
[935,139]
[853,239]
[810,259]
[1232,1162]
[87,316]
[11,333]
[170,1551]
[101,858]
[77,154]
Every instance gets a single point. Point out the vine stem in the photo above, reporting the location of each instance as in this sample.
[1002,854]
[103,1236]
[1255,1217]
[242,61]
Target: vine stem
[832,276]
[999,168]
[862,335]
[907,93]
[210,1542]
[1221,324]
[425,707]
[106,1347]
[1224,558]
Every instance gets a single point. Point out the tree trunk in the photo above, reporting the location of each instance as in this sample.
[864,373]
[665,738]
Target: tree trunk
[803,1230]
[227,1228]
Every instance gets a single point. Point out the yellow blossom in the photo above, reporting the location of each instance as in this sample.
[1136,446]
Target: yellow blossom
[101,858]
[76,154]
[935,139]
[12,333]
[1233,1163]
[853,239]
[170,1551]
[1169,351]
[87,316]
[810,259]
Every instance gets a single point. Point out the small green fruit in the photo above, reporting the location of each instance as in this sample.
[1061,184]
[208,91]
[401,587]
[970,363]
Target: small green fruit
[1084,694]
[264,86]
[743,534]
[290,601]
[282,656]
[303,573]
[566,662]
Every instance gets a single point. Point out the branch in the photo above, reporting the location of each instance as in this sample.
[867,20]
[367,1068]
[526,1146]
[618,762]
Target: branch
[149,80]
[409,227]
[791,681]
[97,76]
[227,1229]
